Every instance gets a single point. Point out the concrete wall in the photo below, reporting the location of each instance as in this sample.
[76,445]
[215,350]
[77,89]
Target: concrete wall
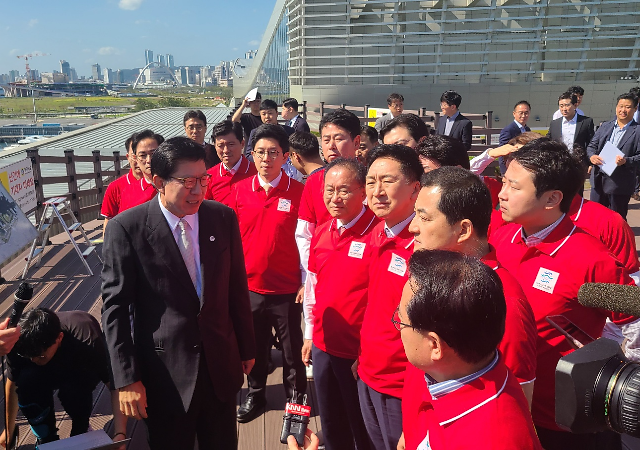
[598,103]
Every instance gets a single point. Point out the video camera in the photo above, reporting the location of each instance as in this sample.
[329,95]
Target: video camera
[598,388]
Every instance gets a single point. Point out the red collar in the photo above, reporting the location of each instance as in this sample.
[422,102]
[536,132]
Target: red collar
[364,224]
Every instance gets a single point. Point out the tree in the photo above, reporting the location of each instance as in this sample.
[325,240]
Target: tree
[173,102]
[142,104]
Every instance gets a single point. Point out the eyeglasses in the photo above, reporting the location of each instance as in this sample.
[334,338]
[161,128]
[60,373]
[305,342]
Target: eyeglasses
[195,127]
[272,154]
[143,156]
[395,320]
[342,193]
[190,182]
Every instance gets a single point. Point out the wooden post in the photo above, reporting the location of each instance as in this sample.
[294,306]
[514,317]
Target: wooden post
[304,110]
[343,105]
[423,111]
[436,120]
[321,110]
[72,182]
[489,125]
[97,169]
[34,156]
[366,112]
[116,163]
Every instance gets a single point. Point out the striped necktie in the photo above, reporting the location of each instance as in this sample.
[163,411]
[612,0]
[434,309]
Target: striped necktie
[185,244]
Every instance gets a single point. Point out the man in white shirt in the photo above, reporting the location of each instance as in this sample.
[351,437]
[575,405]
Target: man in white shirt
[579,92]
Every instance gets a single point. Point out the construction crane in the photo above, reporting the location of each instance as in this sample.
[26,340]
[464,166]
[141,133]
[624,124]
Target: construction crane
[28,75]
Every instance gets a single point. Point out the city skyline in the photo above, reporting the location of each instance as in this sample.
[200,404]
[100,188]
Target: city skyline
[128,28]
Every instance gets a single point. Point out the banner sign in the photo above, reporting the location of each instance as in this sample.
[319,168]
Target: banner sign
[16,231]
[17,179]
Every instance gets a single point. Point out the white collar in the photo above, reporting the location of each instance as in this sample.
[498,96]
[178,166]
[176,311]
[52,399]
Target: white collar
[541,235]
[235,168]
[273,183]
[340,224]
[573,121]
[173,220]
[519,124]
[396,229]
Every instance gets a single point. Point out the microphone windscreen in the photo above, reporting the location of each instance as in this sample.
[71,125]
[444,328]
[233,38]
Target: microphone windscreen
[612,297]
[24,292]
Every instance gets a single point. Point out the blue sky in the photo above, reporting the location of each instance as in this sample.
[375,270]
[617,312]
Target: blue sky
[115,33]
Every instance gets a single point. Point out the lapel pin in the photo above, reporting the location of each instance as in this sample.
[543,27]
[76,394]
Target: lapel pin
[212,238]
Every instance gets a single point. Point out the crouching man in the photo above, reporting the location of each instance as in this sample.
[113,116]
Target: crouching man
[57,351]
[458,394]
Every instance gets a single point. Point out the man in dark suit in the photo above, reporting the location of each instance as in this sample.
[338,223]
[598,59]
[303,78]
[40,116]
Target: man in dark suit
[615,191]
[290,114]
[451,122]
[521,113]
[177,261]
[572,128]
[268,114]
[195,127]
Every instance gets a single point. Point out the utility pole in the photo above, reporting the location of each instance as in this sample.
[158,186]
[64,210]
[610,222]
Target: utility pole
[28,74]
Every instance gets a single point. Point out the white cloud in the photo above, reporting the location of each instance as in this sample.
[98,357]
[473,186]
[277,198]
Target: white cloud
[14,51]
[32,23]
[108,51]
[130,5]
[254,43]
[235,49]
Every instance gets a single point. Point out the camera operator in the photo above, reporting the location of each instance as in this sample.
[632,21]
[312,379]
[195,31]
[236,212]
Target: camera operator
[64,351]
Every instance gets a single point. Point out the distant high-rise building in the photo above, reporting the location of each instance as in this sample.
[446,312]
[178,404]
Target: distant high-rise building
[107,75]
[4,78]
[73,75]
[148,56]
[96,73]
[190,76]
[181,75]
[13,75]
[170,60]
[65,68]
[161,60]
[250,54]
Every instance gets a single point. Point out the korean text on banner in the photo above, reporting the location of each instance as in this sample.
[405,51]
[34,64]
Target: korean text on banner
[17,179]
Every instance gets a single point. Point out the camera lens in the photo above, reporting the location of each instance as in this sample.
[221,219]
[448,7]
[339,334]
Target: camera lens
[624,401]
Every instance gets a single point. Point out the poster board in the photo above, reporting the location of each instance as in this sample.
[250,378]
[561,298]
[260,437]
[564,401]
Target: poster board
[17,179]
[375,113]
[16,231]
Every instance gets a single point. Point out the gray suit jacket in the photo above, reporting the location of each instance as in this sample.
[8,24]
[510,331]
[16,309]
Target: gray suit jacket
[143,268]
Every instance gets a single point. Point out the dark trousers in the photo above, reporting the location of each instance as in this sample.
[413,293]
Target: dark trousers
[382,416]
[338,403]
[35,386]
[208,418]
[283,314]
[562,440]
[617,203]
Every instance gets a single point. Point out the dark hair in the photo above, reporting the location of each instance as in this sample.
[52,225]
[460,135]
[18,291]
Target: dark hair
[271,131]
[444,150]
[172,152]
[258,96]
[351,164]
[290,103]
[451,98]
[553,168]
[40,327]
[628,96]
[576,90]
[227,127]
[194,114]
[268,104]
[414,124]
[304,144]
[145,134]
[393,97]
[410,165]
[569,96]
[463,195]
[129,140]
[635,91]
[343,119]
[459,298]
[370,132]
[522,102]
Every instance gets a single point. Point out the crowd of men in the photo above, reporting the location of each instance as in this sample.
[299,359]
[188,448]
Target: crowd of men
[424,286]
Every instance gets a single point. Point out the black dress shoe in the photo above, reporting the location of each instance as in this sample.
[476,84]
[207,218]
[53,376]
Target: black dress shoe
[251,408]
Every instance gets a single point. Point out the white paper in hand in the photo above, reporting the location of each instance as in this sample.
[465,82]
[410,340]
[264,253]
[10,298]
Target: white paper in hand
[608,155]
[251,95]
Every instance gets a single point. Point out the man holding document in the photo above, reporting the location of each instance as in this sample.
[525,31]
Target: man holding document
[614,152]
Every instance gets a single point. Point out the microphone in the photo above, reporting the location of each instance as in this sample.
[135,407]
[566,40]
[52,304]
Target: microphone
[21,299]
[612,297]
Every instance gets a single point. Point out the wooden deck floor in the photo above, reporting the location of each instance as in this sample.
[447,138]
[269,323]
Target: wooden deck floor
[62,284]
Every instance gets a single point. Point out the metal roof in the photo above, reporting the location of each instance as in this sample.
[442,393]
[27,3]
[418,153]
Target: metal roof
[110,135]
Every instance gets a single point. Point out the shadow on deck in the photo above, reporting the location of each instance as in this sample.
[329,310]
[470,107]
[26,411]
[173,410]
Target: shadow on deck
[62,284]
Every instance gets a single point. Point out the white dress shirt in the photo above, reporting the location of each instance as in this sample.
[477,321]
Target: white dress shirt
[193,230]
[235,168]
[569,131]
[274,183]
[396,229]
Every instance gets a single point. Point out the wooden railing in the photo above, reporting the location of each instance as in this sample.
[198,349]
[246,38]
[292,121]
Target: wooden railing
[482,134]
[85,202]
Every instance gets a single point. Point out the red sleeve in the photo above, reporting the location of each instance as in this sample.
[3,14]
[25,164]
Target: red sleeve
[622,243]
[111,201]
[208,195]
[306,211]
[518,345]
